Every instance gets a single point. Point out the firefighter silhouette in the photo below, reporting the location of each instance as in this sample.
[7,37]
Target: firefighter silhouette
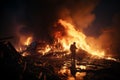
[73,48]
[73,53]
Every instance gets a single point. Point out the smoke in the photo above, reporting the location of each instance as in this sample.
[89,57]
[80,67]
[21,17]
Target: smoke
[38,17]
[109,39]
[79,13]
[43,15]
[113,43]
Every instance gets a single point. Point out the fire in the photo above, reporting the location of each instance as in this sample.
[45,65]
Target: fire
[25,40]
[81,67]
[28,41]
[63,41]
[77,36]
[23,43]
[46,49]
[110,58]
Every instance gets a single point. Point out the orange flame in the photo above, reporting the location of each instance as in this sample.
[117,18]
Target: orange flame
[23,43]
[28,41]
[71,35]
[74,35]
[46,49]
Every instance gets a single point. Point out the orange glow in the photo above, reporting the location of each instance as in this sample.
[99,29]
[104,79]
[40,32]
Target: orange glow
[25,54]
[63,41]
[110,58]
[80,75]
[77,36]
[46,49]
[28,41]
[64,70]
[81,66]
[24,41]
[71,78]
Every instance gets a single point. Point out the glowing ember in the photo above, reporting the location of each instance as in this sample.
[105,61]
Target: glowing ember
[74,35]
[25,54]
[81,66]
[110,58]
[46,49]
[64,70]
[80,75]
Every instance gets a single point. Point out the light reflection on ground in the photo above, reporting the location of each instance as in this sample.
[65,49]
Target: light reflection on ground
[79,76]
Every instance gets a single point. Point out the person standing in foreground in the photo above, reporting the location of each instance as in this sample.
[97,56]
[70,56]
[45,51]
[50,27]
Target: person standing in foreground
[73,53]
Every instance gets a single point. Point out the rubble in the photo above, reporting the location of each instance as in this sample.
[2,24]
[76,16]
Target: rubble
[14,66]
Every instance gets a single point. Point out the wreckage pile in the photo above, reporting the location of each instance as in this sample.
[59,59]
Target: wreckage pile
[14,66]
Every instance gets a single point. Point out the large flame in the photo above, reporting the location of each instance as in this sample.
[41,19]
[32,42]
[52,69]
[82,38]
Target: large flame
[63,41]
[74,35]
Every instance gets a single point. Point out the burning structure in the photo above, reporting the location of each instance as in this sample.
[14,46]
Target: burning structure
[43,56]
[43,52]
[62,41]
[55,65]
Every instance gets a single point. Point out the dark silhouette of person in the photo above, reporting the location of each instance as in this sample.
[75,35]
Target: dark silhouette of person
[73,48]
[73,53]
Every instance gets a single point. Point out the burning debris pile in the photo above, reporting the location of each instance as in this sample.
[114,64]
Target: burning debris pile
[16,66]
[39,60]
[64,34]
[36,59]
[44,32]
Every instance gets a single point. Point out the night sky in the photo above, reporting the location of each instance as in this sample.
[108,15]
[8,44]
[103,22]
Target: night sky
[38,17]
[105,12]
[38,12]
